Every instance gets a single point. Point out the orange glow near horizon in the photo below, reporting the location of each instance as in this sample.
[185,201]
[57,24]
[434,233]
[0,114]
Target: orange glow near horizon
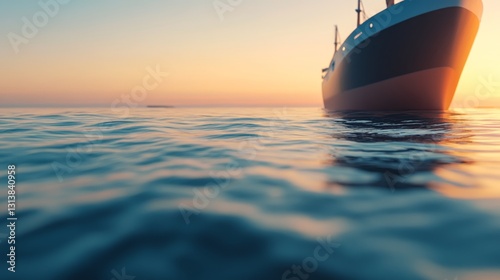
[260,54]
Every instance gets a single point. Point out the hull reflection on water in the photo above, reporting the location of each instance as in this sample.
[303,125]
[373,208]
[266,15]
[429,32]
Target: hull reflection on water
[404,149]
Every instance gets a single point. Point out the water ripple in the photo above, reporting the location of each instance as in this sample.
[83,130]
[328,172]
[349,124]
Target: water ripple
[247,193]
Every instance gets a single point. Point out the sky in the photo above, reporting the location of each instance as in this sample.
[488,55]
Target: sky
[258,53]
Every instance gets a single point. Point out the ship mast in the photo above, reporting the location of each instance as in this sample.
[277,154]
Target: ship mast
[358,10]
[336,38]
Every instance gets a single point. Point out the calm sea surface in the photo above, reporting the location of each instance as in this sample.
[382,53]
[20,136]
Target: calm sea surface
[243,193]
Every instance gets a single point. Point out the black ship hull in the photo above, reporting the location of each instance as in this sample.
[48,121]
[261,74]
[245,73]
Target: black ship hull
[414,63]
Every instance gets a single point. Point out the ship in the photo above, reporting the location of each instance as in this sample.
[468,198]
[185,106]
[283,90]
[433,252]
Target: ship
[410,56]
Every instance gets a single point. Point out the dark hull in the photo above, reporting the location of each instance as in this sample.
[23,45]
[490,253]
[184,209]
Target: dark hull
[413,65]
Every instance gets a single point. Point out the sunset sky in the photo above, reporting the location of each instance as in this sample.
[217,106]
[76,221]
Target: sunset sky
[262,53]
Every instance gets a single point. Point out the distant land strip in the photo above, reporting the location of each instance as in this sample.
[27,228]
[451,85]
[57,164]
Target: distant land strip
[160,106]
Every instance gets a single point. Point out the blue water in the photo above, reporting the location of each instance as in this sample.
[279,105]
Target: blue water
[243,193]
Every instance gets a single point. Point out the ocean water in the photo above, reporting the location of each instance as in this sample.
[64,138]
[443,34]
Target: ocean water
[247,193]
